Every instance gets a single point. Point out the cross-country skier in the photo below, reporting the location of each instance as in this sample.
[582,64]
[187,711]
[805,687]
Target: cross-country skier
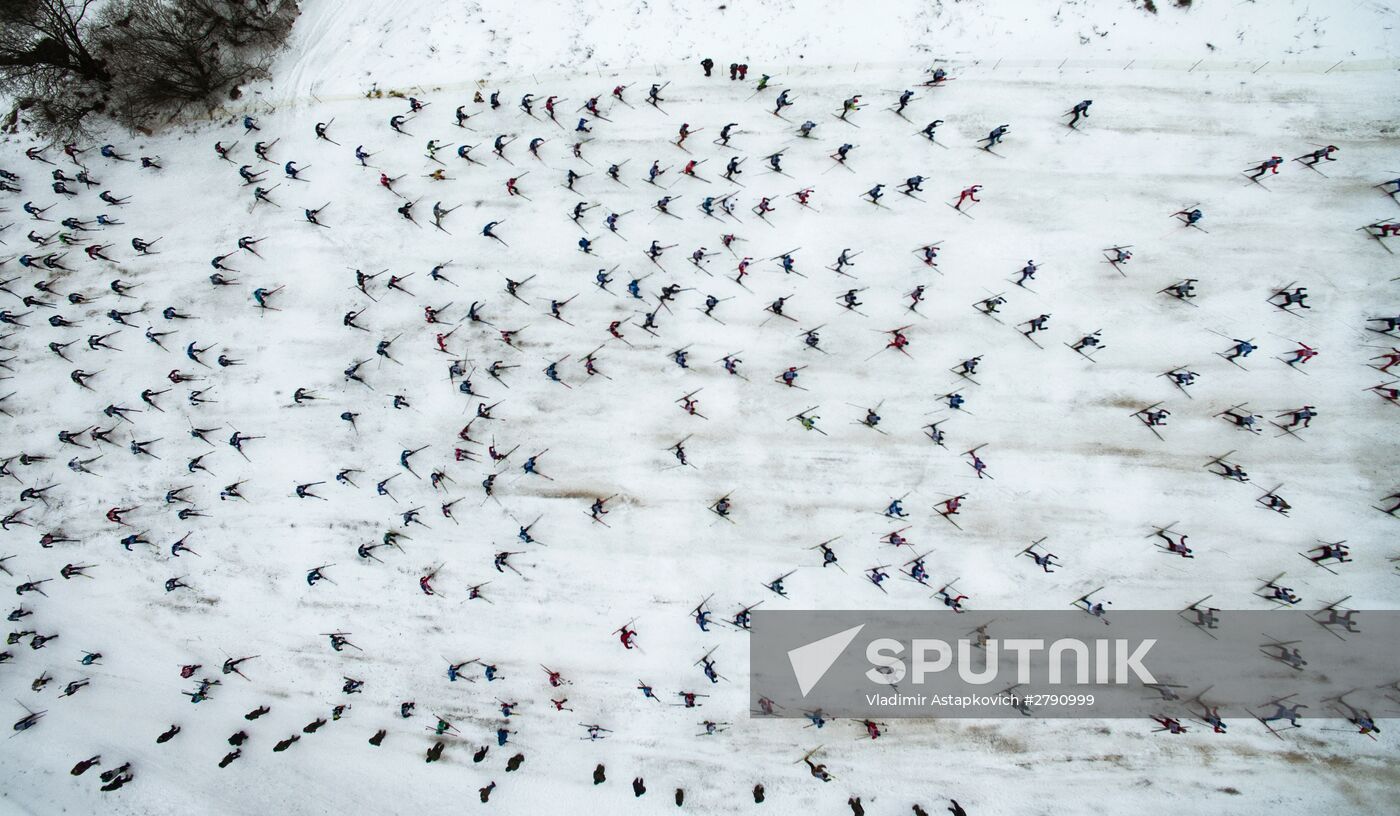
[1242,348]
[1081,109]
[1270,164]
[995,136]
[1321,154]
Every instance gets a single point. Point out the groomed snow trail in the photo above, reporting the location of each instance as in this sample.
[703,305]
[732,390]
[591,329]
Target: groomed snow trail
[1070,461]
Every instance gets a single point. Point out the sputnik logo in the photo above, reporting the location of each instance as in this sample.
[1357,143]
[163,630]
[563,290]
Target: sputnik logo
[811,662]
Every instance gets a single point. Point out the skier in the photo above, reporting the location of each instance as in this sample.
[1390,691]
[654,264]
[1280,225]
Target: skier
[1321,154]
[950,600]
[1191,217]
[994,137]
[1170,724]
[1302,415]
[1036,324]
[1183,378]
[968,194]
[1283,712]
[1242,348]
[1270,164]
[1087,341]
[109,152]
[1391,357]
[1330,551]
[1296,297]
[1080,109]
[818,771]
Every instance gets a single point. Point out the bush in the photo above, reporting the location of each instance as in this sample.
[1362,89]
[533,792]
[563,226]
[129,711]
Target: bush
[46,62]
[169,54]
[136,61]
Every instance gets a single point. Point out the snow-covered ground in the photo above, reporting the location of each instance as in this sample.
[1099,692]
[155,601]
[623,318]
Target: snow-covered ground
[342,46]
[1069,459]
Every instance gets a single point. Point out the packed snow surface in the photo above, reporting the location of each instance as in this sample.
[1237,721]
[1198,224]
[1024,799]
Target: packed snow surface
[1183,101]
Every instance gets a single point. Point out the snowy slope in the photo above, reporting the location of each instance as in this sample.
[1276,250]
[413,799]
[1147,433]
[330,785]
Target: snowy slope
[1069,460]
[341,46]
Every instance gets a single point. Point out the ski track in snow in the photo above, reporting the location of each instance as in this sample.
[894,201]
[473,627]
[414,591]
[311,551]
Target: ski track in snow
[1069,460]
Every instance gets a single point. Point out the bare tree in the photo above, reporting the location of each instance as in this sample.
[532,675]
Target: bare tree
[47,35]
[47,62]
[167,54]
[134,60]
